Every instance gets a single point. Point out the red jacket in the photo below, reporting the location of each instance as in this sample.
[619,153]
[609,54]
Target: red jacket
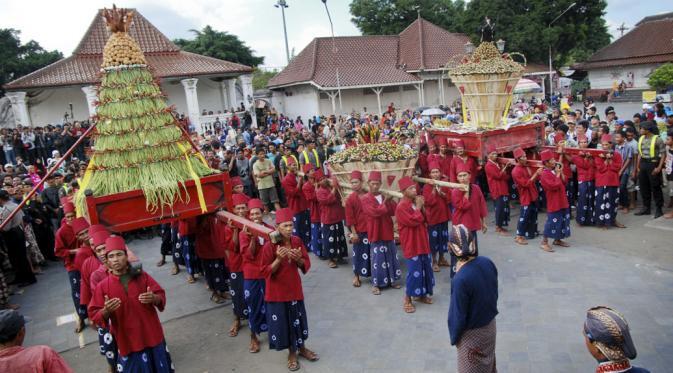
[234,257]
[607,173]
[436,206]
[285,284]
[187,227]
[294,194]
[586,168]
[310,195]
[554,190]
[422,165]
[354,214]
[66,241]
[135,326]
[331,209]
[497,180]
[412,228]
[209,243]
[445,163]
[455,161]
[379,218]
[90,265]
[469,212]
[252,264]
[96,278]
[84,252]
[526,189]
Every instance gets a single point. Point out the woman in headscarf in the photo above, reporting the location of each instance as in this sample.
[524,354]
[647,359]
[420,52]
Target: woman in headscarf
[608,339]
[474,304]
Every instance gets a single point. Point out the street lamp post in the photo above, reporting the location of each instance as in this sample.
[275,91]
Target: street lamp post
[282,4]
[551,73]
[334,50]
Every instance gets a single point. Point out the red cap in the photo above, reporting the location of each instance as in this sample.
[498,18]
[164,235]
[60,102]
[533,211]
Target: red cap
[96,228]
[463,167]
[239,199]
[490,148]
[458,144]
[99,238]
[284,215]
[114,243]
[430,143]
[546,155]
[290,160]
[68,207]
[374,176]
[255,204]
[434,165]
[318,175]
[236,181]
[606,138]
[442,141]
[356,175]
[518,153]
[582,138]
[79,224]
[405,183]
[306,168]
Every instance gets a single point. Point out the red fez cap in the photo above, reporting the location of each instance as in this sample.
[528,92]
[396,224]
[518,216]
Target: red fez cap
[518,153]
[114,243]
[606,138]
[318,175]
[546,155]
[99,238]
[374,176]
[442,141]
[405,183]
[290,160]
[255,204]
[490,148]
[239,199]
[356,175]
[284,215]
[307,168]
[463,167]
[79,224]
[434,165]
[236,181]
[458,144]
[68,207]
[96,228]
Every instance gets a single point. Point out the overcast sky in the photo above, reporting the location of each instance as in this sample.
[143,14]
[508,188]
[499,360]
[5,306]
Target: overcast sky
[61,24]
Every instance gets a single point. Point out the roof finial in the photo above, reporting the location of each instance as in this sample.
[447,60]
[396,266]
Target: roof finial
[117,19]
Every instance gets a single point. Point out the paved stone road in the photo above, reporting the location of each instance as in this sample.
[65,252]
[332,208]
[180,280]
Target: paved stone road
[543,299]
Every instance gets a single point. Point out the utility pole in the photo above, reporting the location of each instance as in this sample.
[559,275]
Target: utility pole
[334,51]
[621,29]
[282,4]
[551,72]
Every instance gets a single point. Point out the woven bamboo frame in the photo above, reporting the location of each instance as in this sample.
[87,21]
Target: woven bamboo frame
[485,96]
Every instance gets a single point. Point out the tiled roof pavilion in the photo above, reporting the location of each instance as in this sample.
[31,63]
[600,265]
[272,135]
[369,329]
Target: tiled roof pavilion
[164,57]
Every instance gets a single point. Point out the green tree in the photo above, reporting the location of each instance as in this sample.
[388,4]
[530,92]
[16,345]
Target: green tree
[220,44]
[260,78]
[20,59]
[522,24]
[662,77]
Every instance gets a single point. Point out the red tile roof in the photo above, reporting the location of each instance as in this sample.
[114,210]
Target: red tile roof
[648,42]
[164,57]
[372,60]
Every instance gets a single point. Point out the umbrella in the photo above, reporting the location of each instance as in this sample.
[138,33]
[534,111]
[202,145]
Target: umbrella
[527,86]
[433,111]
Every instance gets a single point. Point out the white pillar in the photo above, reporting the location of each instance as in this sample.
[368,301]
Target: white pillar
[248,97]
[20,108]
[223,95]
[441,90]
[192,103]
[91,97]
[378,99]
[332,96]
[231,93]
[419,88]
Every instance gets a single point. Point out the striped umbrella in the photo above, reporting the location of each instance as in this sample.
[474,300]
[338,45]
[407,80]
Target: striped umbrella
[526,86]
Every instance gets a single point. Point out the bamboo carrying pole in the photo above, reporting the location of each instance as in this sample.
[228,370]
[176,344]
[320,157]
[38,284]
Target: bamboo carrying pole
[440,183]
[391,193]
[49,173]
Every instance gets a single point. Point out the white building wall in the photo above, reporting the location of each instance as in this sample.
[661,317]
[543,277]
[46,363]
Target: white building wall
[176,95]
[604,78]
[297,100]
[50,105]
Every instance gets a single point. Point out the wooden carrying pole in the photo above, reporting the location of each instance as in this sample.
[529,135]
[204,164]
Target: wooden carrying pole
[392,193]
[240,223]
[529,163]
[440,183]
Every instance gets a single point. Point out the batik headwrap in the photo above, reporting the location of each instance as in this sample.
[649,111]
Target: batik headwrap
[461,241]
[609,332]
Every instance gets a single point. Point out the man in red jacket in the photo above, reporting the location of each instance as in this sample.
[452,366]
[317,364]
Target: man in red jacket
[462,159]
[553,182]
[415,245]
[586,183]
[309,191]
[444,158]
[498,187]
[292,187]
[211,250]
[526,186]
[608,166]
[356,221]
[380,210]
[437,200]
[234,262]
[127,301]
[334,246]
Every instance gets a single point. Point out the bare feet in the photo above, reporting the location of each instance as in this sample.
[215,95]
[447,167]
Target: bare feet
[175,270]
[561,243]
[376,290]
[545,246]
[308,354]
[235,327]
[254,344]
[520,240]
[396,286]
[356,282]
[618,224]
[190,279]
[435,267]
[426,299]
[443,262]
[161,262]
[332,264]
[409,307]
[81,324]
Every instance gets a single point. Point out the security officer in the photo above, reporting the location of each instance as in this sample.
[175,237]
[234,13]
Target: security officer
[650,163]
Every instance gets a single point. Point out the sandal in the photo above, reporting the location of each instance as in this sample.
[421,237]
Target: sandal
[356,282]
[191,280]
[332,264]
[292,365]
[435,268]
[562,243]
[161,262]
[254,347]
[546,247]
[216,298]
[409,307]
[376,291]
[521,241]
[175,271]
[426,299]
[233,331]
[308,354]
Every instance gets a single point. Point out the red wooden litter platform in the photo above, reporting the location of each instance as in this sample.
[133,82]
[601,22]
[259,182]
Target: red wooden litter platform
[529,135]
